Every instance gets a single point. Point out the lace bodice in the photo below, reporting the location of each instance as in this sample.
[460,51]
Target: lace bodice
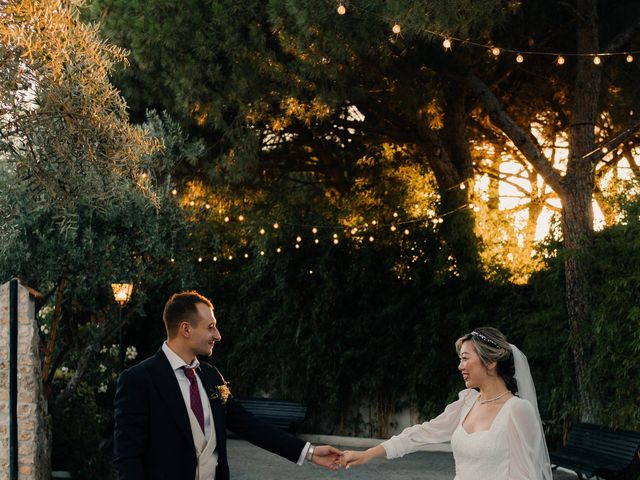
[500,453]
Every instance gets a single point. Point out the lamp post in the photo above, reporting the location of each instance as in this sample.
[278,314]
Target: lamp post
[121,294]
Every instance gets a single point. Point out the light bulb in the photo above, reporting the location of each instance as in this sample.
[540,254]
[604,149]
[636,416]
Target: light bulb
[298,238]
[241,218]
[406,231]
[262,252]
[174,192]
[316,241]
[342,9]
[354,230]
[396,28]
[560,60]
[393,228]
[371,239]
[446,44]
[207,206]
[192,203]
[215,259]
[462,186]
[597,60]
[519,58]
[278,250]
[629,58]
[495,51]
[276,226]
[246,255]
[199,259]
[335,241]
[262,231]
[226,219]
[314,230]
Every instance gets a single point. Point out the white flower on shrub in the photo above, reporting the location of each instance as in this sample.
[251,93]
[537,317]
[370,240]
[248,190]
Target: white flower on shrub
[102,388]
[132,353]
[102,368]
[44,329]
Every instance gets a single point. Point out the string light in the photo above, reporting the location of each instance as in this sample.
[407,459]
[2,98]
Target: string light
[246,255]
[495,51]
[519,58]
[314,230]
[341,9]
[597,60]
[278,250]
[297,245]
[406,231]
[174,192]
[200,259]
[336,241]
[396,28]
[173,260]
[241,218]
[629,58]
[230,257]
[446,44]
[393,228]
[262,253]
[374,222]
[560,60]
[298,239]
[276,225]
[262,231]
[215,259]
[462,186]
[395,214]
[316,241]
[371,239]
[354,230]
[207,206]
[226,219]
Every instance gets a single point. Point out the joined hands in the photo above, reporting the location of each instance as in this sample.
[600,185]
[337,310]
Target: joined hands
[332,458]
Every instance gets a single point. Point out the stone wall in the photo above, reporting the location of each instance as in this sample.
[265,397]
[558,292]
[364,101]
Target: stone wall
[33,419]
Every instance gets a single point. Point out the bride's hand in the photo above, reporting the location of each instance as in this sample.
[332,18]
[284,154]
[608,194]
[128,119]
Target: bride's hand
[350,458]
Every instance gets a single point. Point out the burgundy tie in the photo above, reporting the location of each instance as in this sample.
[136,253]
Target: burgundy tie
[194,394]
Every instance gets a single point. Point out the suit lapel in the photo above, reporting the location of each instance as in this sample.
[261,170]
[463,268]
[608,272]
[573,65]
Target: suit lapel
[217,410]
[167,386]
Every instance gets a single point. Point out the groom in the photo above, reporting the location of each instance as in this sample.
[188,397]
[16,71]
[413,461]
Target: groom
[172,412]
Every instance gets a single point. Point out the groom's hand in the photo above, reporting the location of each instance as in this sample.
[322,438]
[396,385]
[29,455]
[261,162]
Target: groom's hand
[327,456]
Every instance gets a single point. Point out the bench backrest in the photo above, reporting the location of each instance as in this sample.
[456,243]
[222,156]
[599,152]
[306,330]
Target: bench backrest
[617,444]
[279,413]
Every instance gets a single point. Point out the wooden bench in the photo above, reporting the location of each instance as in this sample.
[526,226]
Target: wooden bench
[282,414]
[592,450]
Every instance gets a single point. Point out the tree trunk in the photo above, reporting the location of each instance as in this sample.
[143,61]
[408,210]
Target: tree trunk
[577,211]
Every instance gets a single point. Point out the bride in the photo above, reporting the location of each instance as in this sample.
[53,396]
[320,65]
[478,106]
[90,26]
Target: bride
[494,427]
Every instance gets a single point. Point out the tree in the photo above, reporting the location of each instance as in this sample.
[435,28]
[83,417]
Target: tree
[284,87]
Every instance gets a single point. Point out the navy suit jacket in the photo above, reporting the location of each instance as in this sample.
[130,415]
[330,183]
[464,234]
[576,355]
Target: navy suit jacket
[152,438]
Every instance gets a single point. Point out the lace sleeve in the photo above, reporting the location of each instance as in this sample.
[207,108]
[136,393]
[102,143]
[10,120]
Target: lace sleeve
[437,430]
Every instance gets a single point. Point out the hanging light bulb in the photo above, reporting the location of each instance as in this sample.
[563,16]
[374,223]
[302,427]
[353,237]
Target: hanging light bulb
[560,60]
[462,186]
[341,9]
[298,239]
[241,218]
[336,241]
[396,28]
[519,58]
[393,228]
[354,230]
[278,250]
[314,230]
[371,239]
[226,219]
[297,245]
[262,253]
[174,192]
[335,235]
[406,231]
[200,259]
[495,51]
[597,60]
[629,58]
[230,257]
[447,44]
[262,231]
[207,206]
[374,222]
[246,255]
[215,259]
[276,225]
[316,241]
[192,203]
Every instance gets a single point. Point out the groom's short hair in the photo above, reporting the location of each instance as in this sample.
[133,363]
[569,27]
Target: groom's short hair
[181,307]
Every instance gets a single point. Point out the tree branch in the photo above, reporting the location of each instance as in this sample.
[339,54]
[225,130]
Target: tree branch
[523,141]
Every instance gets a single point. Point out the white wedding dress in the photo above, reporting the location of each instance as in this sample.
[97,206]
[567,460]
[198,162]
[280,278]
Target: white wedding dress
[504,452]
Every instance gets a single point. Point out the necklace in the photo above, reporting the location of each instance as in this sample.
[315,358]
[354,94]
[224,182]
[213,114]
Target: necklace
[482,402]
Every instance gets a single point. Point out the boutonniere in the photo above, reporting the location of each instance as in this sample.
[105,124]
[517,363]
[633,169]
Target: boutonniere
[222,392]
